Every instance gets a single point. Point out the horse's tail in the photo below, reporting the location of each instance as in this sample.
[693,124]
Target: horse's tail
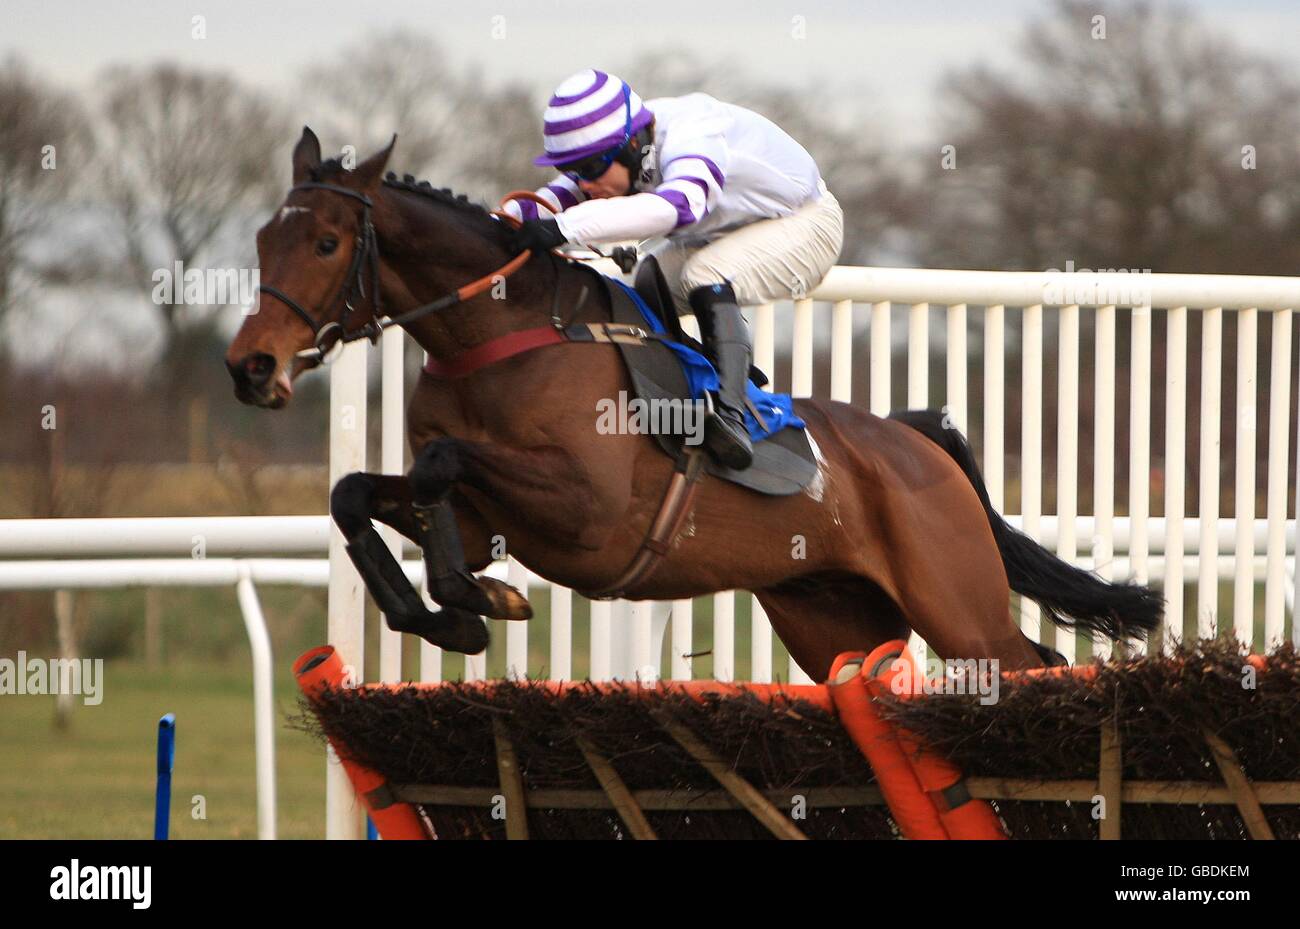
[1069,596]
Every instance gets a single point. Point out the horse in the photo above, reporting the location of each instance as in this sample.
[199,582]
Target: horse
[895,534]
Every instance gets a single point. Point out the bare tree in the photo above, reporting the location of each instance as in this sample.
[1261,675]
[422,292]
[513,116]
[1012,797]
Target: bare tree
[1130,138]
[190,170]
[454,128]
[43,131]
[390,82]
[191,157]
[498,142]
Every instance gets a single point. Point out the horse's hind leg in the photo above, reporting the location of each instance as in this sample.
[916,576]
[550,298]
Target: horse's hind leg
[953,588]
[818,616]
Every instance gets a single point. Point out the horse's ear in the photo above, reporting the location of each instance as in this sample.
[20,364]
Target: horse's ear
[306,155]
[368,173]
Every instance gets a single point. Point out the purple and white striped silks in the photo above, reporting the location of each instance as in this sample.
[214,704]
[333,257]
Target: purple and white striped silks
[561,193]
[690,183]
[713,167]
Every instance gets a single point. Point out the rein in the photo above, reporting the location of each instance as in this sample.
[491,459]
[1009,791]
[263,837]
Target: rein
[365,255]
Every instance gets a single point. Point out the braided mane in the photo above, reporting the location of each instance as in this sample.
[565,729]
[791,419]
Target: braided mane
[332,170]
[443,195]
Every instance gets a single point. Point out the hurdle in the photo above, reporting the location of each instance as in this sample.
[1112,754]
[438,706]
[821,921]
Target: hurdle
[399,810]
[862,756]
[923,793]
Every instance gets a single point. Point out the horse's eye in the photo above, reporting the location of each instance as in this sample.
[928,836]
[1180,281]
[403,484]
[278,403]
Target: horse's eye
[326,247]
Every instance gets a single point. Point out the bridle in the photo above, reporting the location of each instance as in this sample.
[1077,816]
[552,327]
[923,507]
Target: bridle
[334,333]
[365,252]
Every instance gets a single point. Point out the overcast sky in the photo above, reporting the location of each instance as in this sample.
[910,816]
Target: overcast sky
[884,56]
[889,51]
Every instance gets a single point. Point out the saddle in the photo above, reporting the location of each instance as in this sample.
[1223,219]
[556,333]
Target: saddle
[784,462]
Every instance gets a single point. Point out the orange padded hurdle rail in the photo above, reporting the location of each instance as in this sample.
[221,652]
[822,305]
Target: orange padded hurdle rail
[876,739]
[890,669]
[321,668]
[317,670]
[925,792]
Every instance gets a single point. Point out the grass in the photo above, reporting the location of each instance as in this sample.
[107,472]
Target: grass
[94,779]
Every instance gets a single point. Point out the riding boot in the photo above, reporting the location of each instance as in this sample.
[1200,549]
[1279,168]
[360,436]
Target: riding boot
[726,343]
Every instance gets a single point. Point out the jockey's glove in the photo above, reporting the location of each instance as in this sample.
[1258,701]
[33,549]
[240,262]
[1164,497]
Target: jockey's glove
[539,235]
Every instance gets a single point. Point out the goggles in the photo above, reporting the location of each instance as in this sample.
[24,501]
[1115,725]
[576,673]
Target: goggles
[594,166]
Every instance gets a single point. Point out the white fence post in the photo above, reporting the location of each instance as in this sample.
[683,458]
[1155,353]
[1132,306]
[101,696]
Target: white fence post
[1207,583]
[392,461]
[1139,471]
[1243,586]
[1175,466]
[1031,449]
[1279,426]
[346,609]
[1067,454]
[1103,455]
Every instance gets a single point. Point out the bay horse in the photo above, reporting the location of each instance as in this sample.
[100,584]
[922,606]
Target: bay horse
[896,533]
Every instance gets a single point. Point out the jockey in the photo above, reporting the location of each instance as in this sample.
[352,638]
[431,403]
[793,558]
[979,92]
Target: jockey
[739,209]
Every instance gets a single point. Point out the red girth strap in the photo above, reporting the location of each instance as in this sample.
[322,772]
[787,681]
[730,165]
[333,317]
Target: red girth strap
[494,350]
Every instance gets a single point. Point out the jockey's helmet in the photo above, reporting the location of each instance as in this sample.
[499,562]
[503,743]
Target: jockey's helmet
[592,120]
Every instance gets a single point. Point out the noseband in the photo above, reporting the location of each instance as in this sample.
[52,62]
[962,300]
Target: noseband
[365,255]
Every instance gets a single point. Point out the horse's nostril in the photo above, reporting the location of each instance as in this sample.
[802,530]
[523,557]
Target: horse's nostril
[253,370]
[259,368]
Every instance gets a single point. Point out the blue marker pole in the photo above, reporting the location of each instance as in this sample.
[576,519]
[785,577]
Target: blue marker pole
[166,756]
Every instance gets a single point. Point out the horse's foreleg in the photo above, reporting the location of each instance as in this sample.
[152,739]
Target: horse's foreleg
[387,498]
[545,488]
[450,580]
[432,478]
[436,527]
[353,502]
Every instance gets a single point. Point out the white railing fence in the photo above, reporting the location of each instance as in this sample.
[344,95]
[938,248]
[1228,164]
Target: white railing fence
[1046,316]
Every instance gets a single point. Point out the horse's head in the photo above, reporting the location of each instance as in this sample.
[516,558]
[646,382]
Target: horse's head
[319,273]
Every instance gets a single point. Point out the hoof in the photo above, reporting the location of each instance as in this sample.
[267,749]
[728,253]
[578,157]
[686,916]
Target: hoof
[1051,657]
[504,601]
